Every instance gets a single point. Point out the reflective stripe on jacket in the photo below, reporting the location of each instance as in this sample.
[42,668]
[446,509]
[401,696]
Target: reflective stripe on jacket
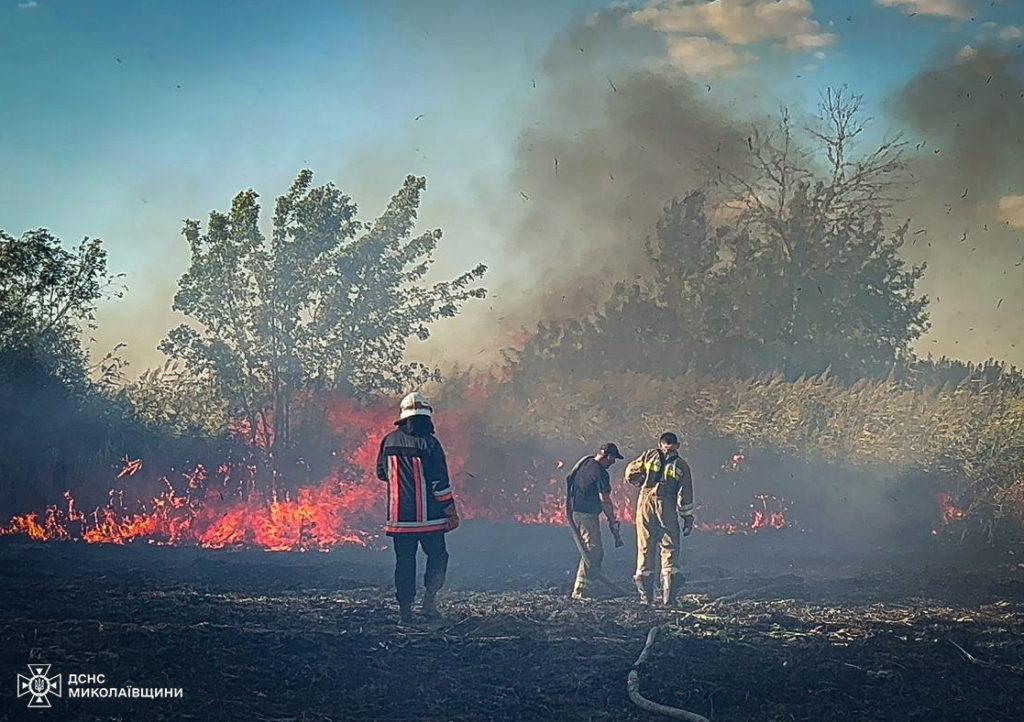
[672,481]
[418,487]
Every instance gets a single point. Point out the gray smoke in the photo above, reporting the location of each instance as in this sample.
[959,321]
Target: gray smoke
[967,113]
[594,172]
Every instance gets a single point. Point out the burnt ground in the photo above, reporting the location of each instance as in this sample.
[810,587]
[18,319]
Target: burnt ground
[775,626]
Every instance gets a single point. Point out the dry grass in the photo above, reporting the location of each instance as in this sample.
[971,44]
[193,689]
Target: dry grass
[970,436]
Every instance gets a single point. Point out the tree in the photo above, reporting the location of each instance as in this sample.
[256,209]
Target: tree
[794,268]
[843,296]
[48,298]
[327,302]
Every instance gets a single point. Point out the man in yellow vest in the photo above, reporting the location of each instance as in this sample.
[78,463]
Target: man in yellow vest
[666,496]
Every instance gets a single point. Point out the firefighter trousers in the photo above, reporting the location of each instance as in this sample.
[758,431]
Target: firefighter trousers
[590,534]
[405,563]
[657,527]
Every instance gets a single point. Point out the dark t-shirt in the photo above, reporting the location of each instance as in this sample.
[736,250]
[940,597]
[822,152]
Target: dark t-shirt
[591,480]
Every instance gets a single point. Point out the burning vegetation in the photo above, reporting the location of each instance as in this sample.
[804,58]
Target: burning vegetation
[227,509]
[769,319]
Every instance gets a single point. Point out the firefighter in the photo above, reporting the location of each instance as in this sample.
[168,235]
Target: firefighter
[421,508]
[588,494]
[666,496]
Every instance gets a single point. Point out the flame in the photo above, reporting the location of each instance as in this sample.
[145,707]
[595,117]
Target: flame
[229,505]
[131,466]
[948,511]
[322,517]
[766,512]
[735,463]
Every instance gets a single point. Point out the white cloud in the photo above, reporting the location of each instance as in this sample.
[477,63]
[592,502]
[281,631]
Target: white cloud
[30,5]
[698,55]
[942,8]
[820,55]
[967,52]
[1011,210]
[1011,32]
[738,22]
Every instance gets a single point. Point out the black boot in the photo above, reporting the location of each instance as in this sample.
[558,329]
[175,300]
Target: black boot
[645,585]
[429,608]
[405,613]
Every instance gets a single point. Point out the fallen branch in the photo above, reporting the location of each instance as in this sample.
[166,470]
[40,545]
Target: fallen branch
[633,687]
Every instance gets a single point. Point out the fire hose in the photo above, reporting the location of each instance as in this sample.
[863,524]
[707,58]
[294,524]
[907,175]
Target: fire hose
[592,570]
[633,687]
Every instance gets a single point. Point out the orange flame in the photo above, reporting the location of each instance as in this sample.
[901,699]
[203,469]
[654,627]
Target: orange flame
[228,508]
[766,512]
[948,511]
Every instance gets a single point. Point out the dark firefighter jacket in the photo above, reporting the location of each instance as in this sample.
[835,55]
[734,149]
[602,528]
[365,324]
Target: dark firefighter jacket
[418,488]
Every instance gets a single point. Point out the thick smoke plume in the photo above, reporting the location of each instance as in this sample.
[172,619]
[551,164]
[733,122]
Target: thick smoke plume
[613,145]
[595,172]
[966,113]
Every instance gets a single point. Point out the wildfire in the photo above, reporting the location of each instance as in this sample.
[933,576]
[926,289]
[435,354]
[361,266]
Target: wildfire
[766,512]
[948,511]
[232,505]
[317,518]
[735,462]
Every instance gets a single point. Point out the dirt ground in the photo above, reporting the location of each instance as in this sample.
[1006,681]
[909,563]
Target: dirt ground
[773,626]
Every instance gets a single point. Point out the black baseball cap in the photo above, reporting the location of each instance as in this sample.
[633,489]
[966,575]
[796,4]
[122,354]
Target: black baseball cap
[611,450]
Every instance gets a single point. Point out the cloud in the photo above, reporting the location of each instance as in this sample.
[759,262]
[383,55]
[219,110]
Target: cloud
[737,22]
[1010,32]
[942,8]
[30,5]
[967,52]
[1011,210]
[698,55]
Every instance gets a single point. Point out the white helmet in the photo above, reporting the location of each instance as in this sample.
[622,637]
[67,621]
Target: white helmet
[415,405]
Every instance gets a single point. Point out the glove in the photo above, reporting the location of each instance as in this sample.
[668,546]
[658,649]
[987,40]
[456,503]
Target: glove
[687,525]
[453,518]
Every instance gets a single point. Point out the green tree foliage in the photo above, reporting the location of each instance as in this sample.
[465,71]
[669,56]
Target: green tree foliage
[326,302]
[53,421]
[177,402]
[48,298]
[794,269]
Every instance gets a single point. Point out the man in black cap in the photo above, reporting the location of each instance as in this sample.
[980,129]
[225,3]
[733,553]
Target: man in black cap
[590,493]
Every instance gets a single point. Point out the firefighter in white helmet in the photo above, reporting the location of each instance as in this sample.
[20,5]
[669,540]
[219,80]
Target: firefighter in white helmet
[421,508]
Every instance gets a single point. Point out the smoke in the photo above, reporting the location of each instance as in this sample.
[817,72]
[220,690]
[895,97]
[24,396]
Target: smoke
[611,146]
[614,131]
[619,135]
[966,112]
[971,110]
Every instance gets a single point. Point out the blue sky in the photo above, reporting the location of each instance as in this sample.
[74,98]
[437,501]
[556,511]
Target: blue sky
[120,118]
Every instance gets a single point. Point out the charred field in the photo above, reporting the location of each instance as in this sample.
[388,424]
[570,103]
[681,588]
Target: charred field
[777,625]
